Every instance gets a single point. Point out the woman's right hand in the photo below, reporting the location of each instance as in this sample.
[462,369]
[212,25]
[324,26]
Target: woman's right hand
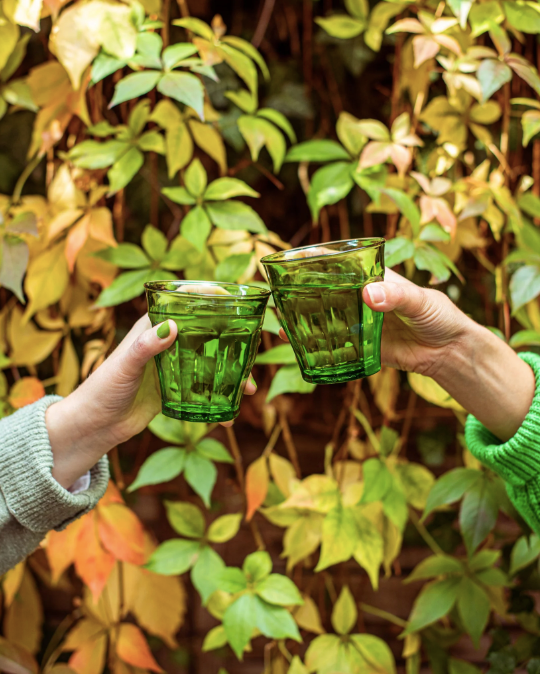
[425,332]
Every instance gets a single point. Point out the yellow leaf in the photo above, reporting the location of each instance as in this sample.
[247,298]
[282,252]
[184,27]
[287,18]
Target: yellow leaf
[46,279]
[385,387]
[29,346]
[101,226]
[9,34]
[60,549]
[428,389]
[158,602]
[23,619]
[106,609]
[307,616]
[12,582]
[93,269]
[211,142]
[68,373]
[282,473]
[90,658]
[85,630]
[63,194]
[256,485]
[24,12]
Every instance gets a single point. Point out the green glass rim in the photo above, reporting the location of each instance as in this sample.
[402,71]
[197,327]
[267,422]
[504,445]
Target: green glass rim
[357,244]
[247,292]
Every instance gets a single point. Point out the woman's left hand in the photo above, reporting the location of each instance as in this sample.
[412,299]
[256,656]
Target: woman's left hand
[115,403]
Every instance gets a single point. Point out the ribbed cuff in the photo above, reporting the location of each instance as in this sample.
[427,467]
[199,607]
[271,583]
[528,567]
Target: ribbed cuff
[34,498]
[517,461]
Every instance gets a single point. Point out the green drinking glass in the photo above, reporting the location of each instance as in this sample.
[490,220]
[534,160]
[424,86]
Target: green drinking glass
[318,292]
[204,373]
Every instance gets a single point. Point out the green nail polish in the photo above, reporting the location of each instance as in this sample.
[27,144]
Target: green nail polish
[164,330]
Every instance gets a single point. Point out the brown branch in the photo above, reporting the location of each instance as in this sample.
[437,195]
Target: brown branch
[287,438]
[264,20]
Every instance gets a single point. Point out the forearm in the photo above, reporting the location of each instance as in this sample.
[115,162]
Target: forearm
[488,379]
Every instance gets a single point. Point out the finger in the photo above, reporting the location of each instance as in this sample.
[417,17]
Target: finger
[226,424]
[408,299]
[282,335]
[251,386]
[147,345]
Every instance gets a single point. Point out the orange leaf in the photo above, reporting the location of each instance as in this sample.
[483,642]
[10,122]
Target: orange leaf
[24,618]
[112,495]
[76,240]
[101,227]
[11,583]
[90,658]
[61,547]
[25,392]
[256,485]
[92,562]
[121,533]
[132,648]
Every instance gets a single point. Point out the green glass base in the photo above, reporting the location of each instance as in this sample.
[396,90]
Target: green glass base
[337,375]
[187,412]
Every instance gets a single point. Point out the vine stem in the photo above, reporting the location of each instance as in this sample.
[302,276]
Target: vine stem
[264,20]
[428,538]
[383,614]
[237,456]
[289,443]
[28,169]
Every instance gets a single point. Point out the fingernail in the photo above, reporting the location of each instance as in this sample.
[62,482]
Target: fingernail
[376,294]
[164,330]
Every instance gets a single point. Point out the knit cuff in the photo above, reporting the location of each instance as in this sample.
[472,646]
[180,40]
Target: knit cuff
[517,461]
[34,498]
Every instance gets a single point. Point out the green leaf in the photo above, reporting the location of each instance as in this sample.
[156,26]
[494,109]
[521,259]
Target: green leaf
[492,75]
[150,45]
[344,613]
[428,258]
[456,666]
[434,232]
[377,479]
[278,355]
[406,207]
[369,552]
[185,518]
[134,86]
[397,251]
[224,528]
[93,155]
[161,466]
[297,666]
[215,638]
[201,475]
[173,557]
[339,538]
[233,267]
[232,580]
[280,590]
[259,133]
[271,323]
[196,227]
[357,8]
[484,559]
[438,565]
[102,129]
[395,507]
[322,653]
[179,195]
[15,58]
[235,215]
[196,178]
[105,65]
[317,151]
[530,204]
[152,141]
[257,566]
[341,26]
[139,116]
[167,429]
[348,129]
[473,607]
[525,551]
[242,66]
[434,601]
[450,487]
[154,242]
[375,653]
[214,450]
[205,573]
[239,621]
[523,16]
[378,21]
[226,188]
[478,513]
[329,185]
[178,52]
[492,578]
[279,119]
[124,170]
[524,286]
[13,263]
[184,88]
[288,379]
[275,622]
[125,287]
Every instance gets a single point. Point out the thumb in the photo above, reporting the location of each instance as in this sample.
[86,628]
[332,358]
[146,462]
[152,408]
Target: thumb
[407,299]
[147,345]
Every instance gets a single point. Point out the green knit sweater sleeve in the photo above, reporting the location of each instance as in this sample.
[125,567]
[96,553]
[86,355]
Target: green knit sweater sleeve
[517,461]
[32,502]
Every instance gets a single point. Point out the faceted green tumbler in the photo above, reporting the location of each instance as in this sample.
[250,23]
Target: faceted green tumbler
[318,292]
[204,373]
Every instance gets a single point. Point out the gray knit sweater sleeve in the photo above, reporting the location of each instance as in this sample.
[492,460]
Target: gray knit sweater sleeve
[31,501]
